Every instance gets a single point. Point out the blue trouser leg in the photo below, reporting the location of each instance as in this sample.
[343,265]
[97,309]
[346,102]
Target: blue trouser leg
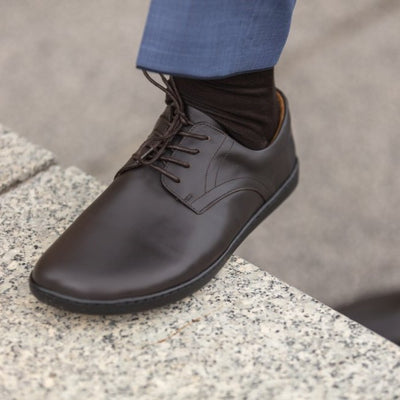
[214,38]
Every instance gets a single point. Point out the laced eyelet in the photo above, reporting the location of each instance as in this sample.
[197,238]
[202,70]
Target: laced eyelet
[154,147]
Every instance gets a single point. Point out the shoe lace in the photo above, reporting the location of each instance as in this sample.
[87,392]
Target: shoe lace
[157,144]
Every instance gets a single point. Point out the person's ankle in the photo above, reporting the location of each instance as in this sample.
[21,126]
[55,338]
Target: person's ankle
[246,105]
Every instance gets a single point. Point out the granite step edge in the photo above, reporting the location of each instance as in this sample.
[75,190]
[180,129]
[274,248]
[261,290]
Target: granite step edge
[82,181]
[20,159]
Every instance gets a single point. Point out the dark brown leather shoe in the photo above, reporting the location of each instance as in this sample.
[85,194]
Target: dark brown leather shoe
[170,219]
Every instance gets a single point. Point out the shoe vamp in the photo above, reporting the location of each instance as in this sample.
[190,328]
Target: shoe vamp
[137,239]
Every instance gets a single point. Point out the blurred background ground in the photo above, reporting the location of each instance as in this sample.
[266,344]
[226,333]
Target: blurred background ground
[68,83]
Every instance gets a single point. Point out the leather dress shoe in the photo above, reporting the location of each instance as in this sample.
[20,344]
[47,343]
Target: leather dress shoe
[170,219]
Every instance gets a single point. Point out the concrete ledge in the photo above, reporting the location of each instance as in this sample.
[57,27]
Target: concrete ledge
[244,335]
[19,159]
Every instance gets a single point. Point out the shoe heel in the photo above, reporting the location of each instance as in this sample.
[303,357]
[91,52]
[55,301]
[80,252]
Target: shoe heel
[279,197]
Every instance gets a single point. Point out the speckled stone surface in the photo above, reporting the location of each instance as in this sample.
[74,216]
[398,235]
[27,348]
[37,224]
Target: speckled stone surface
[20,159]
[246,335]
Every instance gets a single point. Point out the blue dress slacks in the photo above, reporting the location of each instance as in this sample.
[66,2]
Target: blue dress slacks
[214,38]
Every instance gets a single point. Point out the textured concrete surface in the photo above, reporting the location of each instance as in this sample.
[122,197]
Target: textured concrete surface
[244,335]
[19,159]
[68,69]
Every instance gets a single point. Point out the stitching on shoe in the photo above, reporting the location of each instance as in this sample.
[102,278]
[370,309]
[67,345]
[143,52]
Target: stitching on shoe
[222,162]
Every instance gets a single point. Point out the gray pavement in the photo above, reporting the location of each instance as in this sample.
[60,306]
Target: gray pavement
[68,83]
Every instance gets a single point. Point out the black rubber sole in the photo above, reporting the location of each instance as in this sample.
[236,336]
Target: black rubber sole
[175,293]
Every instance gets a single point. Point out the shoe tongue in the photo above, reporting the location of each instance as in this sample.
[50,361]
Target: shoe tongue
[197,116]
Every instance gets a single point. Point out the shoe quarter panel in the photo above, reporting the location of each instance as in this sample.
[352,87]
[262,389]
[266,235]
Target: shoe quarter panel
[221,169]
[201,175]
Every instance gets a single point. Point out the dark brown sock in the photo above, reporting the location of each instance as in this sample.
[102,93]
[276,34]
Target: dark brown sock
[246,105]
